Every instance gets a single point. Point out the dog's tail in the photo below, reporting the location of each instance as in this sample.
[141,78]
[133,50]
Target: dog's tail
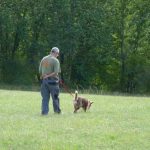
[76,95]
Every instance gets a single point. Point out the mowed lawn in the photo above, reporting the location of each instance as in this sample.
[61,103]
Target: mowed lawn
[112,123]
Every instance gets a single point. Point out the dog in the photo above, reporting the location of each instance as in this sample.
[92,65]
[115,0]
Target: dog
[81,102]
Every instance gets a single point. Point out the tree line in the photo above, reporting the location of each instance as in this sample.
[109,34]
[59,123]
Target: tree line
[103,44]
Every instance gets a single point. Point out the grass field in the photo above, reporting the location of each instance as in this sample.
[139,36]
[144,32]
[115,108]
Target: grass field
[113,123]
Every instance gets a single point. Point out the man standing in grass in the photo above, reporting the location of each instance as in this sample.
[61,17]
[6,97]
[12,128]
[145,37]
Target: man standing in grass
[49,69]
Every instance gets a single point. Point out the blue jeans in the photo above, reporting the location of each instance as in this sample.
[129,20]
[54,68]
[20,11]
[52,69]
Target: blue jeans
[48,89]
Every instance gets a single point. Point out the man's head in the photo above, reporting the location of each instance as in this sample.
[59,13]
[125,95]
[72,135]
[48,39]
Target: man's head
[55,51]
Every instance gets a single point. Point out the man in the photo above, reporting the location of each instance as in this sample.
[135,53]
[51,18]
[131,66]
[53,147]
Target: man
[49,69]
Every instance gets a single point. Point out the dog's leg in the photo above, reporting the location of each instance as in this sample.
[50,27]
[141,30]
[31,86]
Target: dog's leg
[84,108]
[75,110]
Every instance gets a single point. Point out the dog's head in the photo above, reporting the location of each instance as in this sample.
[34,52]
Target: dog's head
[89,104]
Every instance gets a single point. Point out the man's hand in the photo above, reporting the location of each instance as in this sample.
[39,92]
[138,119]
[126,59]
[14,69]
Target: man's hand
[45,76]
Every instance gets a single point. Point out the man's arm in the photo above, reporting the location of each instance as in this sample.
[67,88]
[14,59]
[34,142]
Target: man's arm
[53,74]
[40,68]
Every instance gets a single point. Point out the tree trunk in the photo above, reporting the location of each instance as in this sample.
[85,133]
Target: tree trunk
[122,44]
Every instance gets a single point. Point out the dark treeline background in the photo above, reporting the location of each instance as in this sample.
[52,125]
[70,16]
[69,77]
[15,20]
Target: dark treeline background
[104,44]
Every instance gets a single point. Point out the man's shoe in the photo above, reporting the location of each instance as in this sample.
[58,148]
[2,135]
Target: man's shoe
[58,112]
[44,114]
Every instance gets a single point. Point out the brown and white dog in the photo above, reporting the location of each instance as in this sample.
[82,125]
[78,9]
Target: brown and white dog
[81,102]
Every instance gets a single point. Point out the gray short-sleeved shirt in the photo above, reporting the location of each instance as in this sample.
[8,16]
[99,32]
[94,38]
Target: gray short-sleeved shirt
[49,64]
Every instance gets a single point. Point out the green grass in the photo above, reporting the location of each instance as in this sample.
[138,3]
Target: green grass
[112,123]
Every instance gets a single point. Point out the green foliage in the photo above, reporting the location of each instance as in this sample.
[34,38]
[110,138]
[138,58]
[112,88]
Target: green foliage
[103,43]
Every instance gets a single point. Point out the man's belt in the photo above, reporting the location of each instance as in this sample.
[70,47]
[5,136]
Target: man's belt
[52,81]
